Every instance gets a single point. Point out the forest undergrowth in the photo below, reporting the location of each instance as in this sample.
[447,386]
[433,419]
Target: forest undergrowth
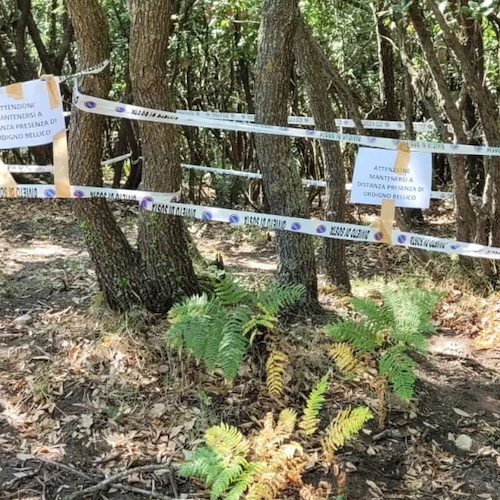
[85,392]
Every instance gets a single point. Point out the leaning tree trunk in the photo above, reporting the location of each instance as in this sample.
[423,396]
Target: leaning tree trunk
[317,84]
[281,180]
[114,260]
[163,241]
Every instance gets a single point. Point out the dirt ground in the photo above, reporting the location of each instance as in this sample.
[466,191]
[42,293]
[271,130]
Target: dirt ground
[85,393]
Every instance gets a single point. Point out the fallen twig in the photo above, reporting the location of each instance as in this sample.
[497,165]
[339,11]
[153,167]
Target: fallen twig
[140,491]
[67,468]
[106,483]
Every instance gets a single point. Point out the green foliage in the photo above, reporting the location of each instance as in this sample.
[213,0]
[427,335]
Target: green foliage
[221,464]
[345,426]
[270,460]
[310,419]
[387,332]
[217,329]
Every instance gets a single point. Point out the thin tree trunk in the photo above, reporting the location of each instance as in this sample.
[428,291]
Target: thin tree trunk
[281,179]
[163,241]
[317,84]
[115,262]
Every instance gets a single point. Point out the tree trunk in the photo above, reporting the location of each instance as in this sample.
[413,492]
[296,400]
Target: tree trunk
[115,261]
[163,242]
[281,179]
[386,62]
[465,215]
[317,83]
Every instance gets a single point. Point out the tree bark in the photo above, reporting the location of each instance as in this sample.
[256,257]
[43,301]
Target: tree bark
[281,180]
[163,242]
[115,262]
[465,215]
[317,84]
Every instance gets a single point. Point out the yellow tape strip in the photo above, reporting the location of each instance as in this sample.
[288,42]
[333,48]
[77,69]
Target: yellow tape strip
[15,91]
[7,182]
[386,220]
[402,158]
[53,90]
[61,165]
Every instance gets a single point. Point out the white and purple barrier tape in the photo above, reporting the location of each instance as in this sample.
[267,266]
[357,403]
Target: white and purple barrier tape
[293,120]
[165,203]
[36,169]
[324,229]
[307,120]
[119,110]
[48,192]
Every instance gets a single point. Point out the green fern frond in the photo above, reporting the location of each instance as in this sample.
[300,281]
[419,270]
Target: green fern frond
[227,441]
[244,481]
[229,292]
[362,336]
[233,343]
[225,479]
[400,370]
[277,297]
[378,316]
[204,465]
[310,419]
[191,306]
[345,426]
[256,322]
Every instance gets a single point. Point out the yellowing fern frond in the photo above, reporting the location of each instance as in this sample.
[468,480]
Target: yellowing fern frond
[322,492]
[227,441]
[276,365]
[286,422]
[346,360]
[346,425]
[310,419]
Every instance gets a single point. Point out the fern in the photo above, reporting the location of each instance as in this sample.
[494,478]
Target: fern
[229,292]
[276,365]
[378,316]
[345,358]
[205,465]
[244,481]
[345,426]
[362,336]
[399,369]
[386,332]
[277,297]
[227,441]
[217,330]
[233,343]
[225,479]
[286,423]
[310,420]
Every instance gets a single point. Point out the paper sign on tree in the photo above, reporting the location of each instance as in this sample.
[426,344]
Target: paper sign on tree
[31,114]
[376,179]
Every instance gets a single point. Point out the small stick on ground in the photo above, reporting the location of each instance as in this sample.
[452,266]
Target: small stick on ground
[106,483]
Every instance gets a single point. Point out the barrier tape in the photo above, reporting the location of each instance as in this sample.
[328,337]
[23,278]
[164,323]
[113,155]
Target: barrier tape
[100,106]
[324,229]
[165,203]
[93,70]
[307,120]
[48,191]
[47,169]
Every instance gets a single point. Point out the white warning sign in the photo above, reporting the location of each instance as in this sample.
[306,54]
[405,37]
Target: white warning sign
[374,179]
[31,114]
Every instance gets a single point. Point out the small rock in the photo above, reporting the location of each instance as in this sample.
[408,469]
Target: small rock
[164,369]
[25,319]
[86,420]
[463,442]
[157,410]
